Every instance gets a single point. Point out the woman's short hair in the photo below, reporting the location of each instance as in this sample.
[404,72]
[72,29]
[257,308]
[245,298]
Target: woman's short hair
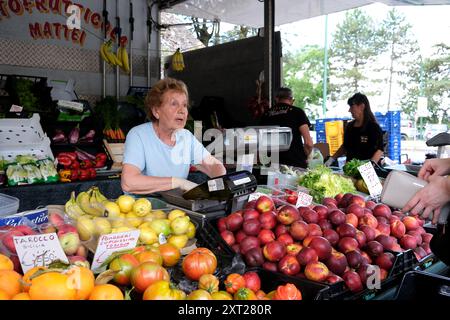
[153,99]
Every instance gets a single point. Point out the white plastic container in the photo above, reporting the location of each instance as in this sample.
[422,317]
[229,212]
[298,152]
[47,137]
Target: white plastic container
[21,131]
[8,205]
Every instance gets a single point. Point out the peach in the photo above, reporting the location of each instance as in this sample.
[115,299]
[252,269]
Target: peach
[410,223]
[369,232]
[289,265]
[264,204]
[358,200]
[240,235]
[336,217]
[346,230]
[274,251]
[361,238]
[352,219]
[250,214]
[354,259]
[332,236]
[307,240]
[268,220]
[325,224]
[352,281]
[310,216]
[234,221]
[385,260]
[251,227]
[398,229]
[374,248]
[307,255]
[382,210]
[280,229]
[386,241]
[347,244]
[416,235]
[426,237]
[299,230]
[222,224]
[384,228]
[368,220]
[293,248]
[314,230]
[322,247]
[316,271]
[285,239]
[322,211]
[355,209]
[333,279]
[337,263]
[370,204]
[287,214]
[265,236]
[228,237]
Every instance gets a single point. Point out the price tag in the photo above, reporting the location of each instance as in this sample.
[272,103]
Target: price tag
[216,184]
[371,179]
[162,238]
[303,199]
[40,250]
[255,196]
[110,243]
[15,108]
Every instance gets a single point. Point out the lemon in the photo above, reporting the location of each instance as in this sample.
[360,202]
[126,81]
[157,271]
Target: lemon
[178,241]
[112,209]
[175,214]
[125,203]
[191,230]
[120,229]
[147,235]
[102,226]
[133,220]
[180,225]
[85,228]
[159,214]
[142,207]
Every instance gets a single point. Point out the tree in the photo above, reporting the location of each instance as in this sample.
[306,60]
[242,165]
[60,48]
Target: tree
[352,51]
[401,50]
[302,72]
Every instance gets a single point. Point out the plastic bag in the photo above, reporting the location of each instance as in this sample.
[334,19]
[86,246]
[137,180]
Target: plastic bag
[315,158]
[16,174]
[33,174]
[48,170]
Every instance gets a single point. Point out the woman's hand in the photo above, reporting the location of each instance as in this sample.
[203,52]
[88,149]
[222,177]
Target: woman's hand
[434,167]
[183,184]
[430,198]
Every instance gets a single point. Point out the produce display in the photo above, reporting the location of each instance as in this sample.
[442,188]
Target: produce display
[74,136]
[351,170]
[107,111]
[79,165]
[334,241]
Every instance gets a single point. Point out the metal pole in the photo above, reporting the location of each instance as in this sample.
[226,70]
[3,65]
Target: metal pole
[119,33]
[105,22]
[269,24]
[325,69]
[149,35]
[131,42]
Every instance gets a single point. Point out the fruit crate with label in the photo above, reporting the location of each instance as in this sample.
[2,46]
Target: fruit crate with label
[116,151]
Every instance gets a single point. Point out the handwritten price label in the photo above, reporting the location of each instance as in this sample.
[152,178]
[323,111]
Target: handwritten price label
[303,199]
[38,250]
[110,243]
[371,179]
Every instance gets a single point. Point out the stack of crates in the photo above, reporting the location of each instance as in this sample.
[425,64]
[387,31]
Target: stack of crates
[390,123]
[331,131]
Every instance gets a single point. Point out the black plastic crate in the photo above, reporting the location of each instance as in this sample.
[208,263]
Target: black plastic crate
[419,285]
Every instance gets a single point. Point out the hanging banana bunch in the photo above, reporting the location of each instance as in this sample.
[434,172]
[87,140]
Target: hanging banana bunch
[122,55]
[177,61]
[108,55]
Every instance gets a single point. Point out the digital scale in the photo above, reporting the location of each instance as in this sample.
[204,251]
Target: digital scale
[217,196]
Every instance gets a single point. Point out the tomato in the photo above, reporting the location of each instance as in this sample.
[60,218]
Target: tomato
[234,282]
[287,292]
[163,290]
[199,262]
[245,294]
[199,294]
[170,254]
[252,281]
[209,283]
[260,295]
[221,295]
[123,265]
[151,255]
[146,274]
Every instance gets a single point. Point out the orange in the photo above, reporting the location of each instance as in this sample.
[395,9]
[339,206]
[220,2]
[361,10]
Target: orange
[106,292]
[4,295]
[82,280]
[27,275]
[21,296]
[10,282]
[6,263]
[52,286]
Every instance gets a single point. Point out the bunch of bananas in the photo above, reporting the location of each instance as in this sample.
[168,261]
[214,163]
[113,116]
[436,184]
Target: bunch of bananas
[115,59]
[87,202]
[177,61]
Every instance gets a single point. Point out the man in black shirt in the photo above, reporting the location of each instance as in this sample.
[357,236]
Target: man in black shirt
[285,114]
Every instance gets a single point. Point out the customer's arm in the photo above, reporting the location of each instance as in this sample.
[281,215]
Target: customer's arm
[307,140]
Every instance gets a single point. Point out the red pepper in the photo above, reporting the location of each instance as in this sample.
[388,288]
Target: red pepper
[85,164]
[75,165]
[74,175]
[99,164]
[64,161]
[92,173]
[71,155]
[83,174]
[101,157]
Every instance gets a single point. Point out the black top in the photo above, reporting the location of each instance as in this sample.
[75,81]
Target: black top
[362,142]
[293,117]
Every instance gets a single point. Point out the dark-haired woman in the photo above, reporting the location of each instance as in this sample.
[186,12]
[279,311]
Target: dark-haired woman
[363,137]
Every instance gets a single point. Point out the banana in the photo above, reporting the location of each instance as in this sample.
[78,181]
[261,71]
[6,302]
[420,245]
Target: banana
[72,208]
[103,53]
[177,61]
[122,53]
[106,49]
[100,197]
[83,201]
[96,205]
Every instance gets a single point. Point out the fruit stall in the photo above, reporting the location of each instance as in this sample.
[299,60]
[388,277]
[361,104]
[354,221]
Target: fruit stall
[253,242]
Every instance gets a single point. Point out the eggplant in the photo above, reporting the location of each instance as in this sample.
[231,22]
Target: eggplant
[88,137]
[74,135]
[59,136]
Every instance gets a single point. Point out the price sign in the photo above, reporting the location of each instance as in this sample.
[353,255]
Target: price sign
[110,243]
[15,108]
[39,250]
[303,199]
[255,196]
[371,179]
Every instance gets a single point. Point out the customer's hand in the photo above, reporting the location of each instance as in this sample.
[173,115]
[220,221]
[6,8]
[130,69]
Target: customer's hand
[183,184]
[430,199]
[329,162]
[434,167]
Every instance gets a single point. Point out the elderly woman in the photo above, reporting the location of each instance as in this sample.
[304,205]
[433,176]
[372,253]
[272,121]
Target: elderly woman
[158,154]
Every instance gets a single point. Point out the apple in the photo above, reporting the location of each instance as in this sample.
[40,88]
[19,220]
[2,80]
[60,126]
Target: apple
[265,236]
[374,248]
[361,238]
[234,221]
[385,260]
[274,251]
[382,220]
[314,230]
[251,227]
[239,236]
[346,230]
[248,243]
[289,265]
[387,242]
[307,255]
[270,266]
[66,228]
[268,220]
[356,199]
[347,244]
[410,223]
[352,281]
[250,205]
[336,217]
[332,236]
[325,224]
[228,236]
[333,279]
[299,230]
[370,204]
[254,257]
[327,201]
[26,230]
[250,214]
[70,242]
[337,263]
[322,211]
[310,216]
[287,214]
[8,241]
[398,229]
[368,220]
[354,259]
[222,224]
[264,204]
[316,271]
[307,240]
[285,239]
[252,281]
[321,246]
[369,232]
[281,229]
[382,210]
[293,248]
[56,219]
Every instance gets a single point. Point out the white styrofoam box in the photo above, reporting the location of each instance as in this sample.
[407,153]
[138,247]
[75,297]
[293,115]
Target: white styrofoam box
[40,150]
[21,131]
